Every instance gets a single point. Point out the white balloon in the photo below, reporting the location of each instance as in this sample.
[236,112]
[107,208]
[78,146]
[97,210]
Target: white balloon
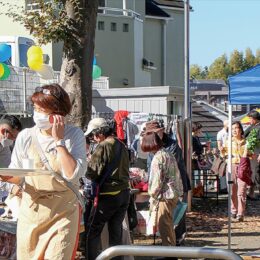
[46,72]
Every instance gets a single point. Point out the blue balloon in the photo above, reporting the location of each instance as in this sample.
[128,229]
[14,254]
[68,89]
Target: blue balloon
[5,52]
[94,61]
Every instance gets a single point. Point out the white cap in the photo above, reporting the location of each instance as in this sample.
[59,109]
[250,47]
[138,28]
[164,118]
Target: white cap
[95,124]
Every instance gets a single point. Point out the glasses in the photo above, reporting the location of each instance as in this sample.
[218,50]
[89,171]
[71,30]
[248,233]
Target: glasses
[46,92]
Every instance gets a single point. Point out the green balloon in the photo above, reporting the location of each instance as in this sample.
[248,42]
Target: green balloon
[96,72]
[6,72]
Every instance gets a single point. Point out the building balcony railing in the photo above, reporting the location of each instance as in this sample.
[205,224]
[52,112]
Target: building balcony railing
[119,12]
[101,83]
[31,5]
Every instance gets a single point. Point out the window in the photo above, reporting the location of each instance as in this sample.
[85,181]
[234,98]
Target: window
[113,27]
[23,48]
[101,26]
[125,27]
[101,3]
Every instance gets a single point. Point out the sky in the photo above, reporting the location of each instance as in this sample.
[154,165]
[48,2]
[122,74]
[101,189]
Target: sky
[219,27]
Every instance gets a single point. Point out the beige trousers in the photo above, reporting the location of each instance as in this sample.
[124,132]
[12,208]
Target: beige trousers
[165,221]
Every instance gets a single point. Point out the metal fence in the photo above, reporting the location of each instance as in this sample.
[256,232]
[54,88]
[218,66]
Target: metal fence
[15,92]
[167,251]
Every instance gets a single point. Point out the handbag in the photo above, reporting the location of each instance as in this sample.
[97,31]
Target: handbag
[244,171]
[219,166]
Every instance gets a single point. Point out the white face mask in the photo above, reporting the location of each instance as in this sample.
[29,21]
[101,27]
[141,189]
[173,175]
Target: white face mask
[41,120]
[5,142]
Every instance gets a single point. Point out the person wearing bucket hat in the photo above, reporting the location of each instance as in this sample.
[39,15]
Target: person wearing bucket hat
[110,159]
[154,126]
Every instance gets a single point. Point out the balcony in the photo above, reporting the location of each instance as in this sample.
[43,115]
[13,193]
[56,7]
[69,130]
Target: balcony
[119,12]
[101,83]
[30,5]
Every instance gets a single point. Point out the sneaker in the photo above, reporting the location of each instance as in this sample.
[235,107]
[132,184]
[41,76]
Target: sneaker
[240,218]
[233,215]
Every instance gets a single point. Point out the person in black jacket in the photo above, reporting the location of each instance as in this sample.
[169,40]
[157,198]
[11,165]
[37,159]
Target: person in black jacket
[108,167]
[197,147]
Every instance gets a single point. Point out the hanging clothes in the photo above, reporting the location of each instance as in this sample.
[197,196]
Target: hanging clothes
[119,116]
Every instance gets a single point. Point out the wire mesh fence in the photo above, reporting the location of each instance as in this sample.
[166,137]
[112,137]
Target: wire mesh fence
[15,92]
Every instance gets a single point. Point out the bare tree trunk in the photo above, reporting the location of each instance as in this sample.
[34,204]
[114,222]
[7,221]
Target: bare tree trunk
[76,70]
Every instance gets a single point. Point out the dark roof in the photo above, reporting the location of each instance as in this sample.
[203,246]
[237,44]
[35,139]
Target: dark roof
[172,3]
[207,85]
[152,9]
[210,123]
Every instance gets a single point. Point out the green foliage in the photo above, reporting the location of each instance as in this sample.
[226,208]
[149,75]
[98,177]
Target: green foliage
[205,72]
[249,60]
[223,67]
[195,71]
[50,21]
[257,57]
[252,140]
[219,69]
[236,62]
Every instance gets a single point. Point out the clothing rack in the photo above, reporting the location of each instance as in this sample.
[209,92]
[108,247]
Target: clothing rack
[151,116]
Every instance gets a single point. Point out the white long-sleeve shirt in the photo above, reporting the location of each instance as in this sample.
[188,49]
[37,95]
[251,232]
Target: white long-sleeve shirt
[74,141]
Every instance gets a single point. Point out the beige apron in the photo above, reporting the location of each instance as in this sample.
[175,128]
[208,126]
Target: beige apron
[49,216]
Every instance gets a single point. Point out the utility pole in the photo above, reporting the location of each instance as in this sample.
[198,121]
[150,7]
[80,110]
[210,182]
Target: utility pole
[187,103]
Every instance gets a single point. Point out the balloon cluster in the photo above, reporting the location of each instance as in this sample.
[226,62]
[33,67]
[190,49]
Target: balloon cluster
[96,71]
[5,55]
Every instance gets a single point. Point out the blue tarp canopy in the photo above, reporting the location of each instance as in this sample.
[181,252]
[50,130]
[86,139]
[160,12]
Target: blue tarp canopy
[244,88]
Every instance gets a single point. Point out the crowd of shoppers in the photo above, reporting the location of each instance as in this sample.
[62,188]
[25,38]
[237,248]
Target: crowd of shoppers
[51,205]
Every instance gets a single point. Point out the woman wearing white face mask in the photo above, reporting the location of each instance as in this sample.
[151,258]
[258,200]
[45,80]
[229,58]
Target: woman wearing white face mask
[50,210]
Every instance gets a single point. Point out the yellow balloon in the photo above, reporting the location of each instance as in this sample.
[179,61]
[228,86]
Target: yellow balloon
[2,70]
[35,64]
[36,57]
[34,49]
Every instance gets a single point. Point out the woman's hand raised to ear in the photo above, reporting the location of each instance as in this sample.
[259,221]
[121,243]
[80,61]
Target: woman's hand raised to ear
[58,127]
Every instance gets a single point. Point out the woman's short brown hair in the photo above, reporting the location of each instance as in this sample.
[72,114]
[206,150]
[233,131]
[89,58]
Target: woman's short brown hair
[151,142]
[52,97]
[196,126]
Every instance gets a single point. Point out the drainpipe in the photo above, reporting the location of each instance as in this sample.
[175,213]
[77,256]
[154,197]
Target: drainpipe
[164,52]
[124,7]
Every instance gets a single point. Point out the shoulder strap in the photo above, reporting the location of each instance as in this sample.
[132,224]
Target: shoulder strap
[56,175]
[111,167]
